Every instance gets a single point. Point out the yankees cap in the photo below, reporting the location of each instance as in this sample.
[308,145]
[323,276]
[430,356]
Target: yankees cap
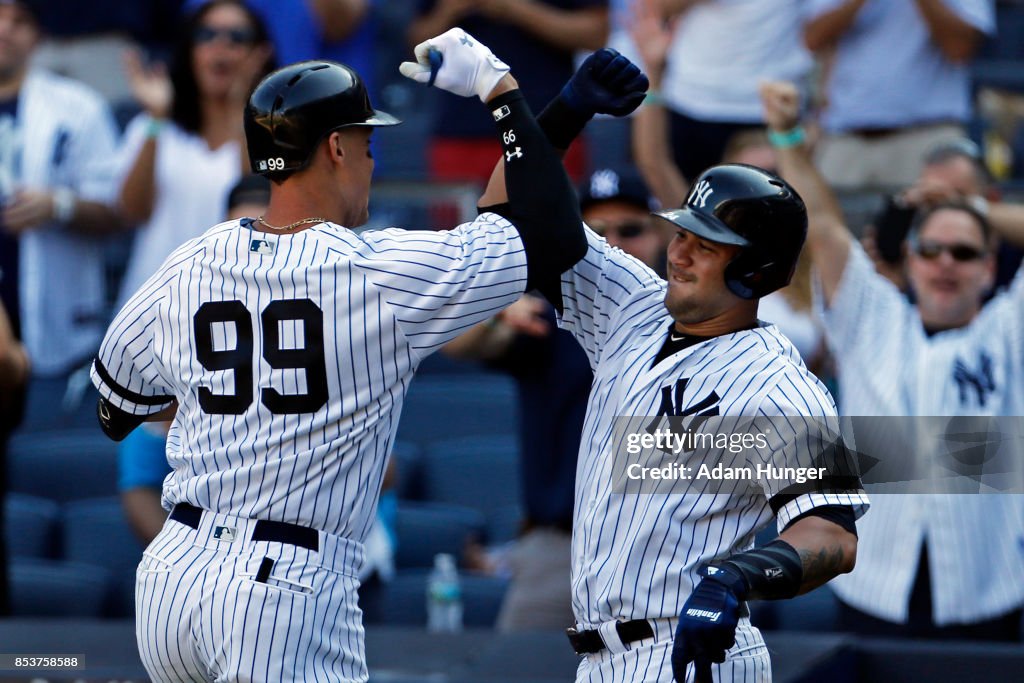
[607,184]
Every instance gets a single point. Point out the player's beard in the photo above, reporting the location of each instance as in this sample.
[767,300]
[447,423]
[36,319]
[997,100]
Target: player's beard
[688,310]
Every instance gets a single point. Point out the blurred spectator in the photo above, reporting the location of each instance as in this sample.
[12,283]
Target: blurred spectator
[553,377]
[338,30]
[897,82]
[790,307]
[952,171]
[14,371]
[182,155]
[87,45]
[57,138]
[538,38]
[720,52]
[945,566]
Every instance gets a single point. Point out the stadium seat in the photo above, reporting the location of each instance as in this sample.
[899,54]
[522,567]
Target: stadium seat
[96,532]
[61,403]
[426,529]
[30,526]
[404,599]
[479,472]
[504,523]
[469,405]
[85,459]
[54,588]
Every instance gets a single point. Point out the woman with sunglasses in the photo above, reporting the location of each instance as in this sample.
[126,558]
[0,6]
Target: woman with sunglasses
[183,154]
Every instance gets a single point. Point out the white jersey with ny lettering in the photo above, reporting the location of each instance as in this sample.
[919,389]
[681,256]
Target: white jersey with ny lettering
[289,357]
[637,556]
[889,366]
[65,137]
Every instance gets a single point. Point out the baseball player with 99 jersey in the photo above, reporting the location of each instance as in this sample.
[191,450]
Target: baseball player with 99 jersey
[287,343]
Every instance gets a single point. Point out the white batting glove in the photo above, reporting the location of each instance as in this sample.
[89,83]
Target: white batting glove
[465,67]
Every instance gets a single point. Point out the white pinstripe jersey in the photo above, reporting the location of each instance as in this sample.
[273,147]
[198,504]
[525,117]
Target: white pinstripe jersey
[637,556]
[290,355]
[889,366]
[68,139]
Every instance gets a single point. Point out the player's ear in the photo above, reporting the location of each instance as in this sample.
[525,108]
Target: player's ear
[336,147]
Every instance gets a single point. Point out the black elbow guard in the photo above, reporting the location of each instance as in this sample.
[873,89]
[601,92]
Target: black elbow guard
[116,423]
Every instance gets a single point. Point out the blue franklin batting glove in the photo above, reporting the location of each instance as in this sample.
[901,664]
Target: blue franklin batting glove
[605,83]
[707,624]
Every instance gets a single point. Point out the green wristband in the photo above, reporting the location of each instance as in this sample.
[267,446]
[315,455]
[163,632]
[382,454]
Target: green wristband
[154,127]
[654,97]
[791,138]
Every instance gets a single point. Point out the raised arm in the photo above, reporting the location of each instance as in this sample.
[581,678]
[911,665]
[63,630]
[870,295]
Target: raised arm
[956,39]
[827,235]
[567,29]
[339,18]
[14,362]
[543,203]
[605,83]
[650,133]
[1008,220]
[824,31]
[152,88]
[442,16]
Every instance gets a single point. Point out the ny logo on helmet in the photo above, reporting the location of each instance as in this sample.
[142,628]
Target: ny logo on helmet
[701,194]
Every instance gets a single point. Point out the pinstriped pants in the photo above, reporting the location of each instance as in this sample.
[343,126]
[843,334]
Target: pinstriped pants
[650,661]
[203,614]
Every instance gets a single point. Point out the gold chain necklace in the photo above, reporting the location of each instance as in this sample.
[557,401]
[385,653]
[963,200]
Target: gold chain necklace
[290,226]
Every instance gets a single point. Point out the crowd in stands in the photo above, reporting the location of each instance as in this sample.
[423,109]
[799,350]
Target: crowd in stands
[121,137]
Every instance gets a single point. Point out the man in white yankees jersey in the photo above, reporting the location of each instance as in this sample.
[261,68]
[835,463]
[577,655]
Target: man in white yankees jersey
[932,566]
[287,343]
[660,581]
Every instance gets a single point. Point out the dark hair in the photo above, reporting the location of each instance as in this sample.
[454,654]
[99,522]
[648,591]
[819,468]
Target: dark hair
[921,217]
[961,148]
[185,110]
[251,189]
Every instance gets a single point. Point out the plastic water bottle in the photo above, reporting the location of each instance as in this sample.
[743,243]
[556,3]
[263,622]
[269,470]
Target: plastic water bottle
[444,596]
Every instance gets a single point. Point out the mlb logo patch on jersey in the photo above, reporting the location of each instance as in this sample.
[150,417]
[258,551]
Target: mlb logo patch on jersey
[501,112]
[259,246]
[224,533]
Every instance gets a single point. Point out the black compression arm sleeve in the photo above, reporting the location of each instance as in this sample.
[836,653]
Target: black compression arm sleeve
[561,123]
[544,207]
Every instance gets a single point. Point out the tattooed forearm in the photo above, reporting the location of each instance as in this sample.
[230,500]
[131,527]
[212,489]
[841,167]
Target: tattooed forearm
[822,564]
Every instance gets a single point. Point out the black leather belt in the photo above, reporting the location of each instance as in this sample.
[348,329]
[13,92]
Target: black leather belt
[589,642]
[265,530]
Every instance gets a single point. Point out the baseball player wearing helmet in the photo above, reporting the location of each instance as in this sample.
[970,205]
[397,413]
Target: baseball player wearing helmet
[660,582]
[287,343]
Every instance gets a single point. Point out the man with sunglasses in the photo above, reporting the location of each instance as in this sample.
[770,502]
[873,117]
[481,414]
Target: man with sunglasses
[953,170]
[617,205]
[945,566]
